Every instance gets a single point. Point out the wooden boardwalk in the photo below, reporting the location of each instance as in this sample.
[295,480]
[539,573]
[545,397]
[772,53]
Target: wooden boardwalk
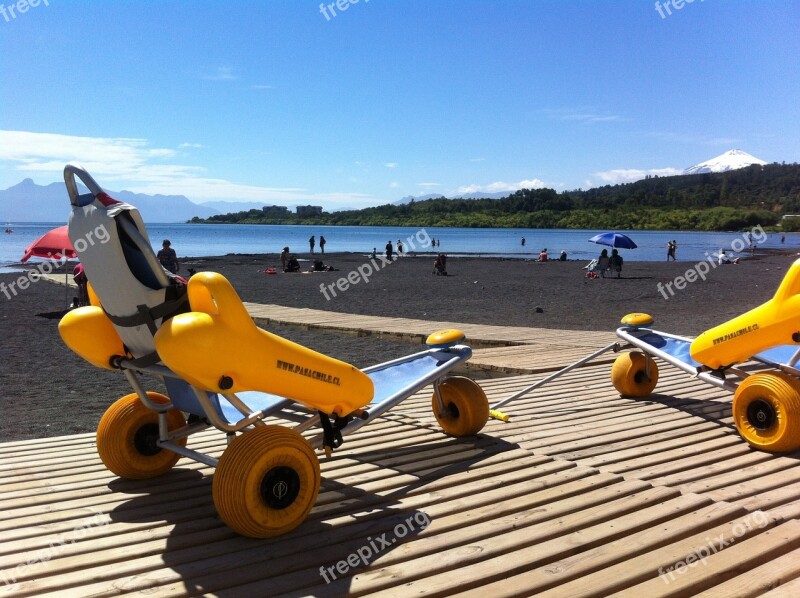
[582,493]
[497,349]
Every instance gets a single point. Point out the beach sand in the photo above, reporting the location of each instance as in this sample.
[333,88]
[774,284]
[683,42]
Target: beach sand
[49,391]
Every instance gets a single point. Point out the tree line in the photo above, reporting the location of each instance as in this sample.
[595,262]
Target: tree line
[715,201]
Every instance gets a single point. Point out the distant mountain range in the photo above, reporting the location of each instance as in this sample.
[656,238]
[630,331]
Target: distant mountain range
[29,202]
[731,160]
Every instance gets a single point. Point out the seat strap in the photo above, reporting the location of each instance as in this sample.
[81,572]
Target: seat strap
[149,315]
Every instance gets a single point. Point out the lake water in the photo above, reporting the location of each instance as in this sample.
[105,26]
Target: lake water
[219,239]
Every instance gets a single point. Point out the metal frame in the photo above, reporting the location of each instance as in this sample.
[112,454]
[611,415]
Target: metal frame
[287,409]
[714,377]
[702,373]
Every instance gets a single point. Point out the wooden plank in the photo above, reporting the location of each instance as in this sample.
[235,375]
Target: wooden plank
[756,582]
[789,589]
[469,565]
[618,564]
[747,552]
[216,560]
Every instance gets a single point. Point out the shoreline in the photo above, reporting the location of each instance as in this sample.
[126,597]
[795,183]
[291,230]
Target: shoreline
[525,257]
[221,240]
[19,267]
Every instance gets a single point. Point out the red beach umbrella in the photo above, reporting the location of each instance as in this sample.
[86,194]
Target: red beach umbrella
[51,245]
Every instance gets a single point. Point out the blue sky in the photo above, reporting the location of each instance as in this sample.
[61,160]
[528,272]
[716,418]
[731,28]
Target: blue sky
[276,102]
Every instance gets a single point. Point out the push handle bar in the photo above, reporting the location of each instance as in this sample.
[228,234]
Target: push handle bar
[70,172]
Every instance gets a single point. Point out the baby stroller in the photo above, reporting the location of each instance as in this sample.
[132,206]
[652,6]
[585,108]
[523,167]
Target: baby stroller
[221,370]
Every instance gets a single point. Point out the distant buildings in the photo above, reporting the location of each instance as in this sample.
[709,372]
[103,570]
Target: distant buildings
[275,211]
[309,210]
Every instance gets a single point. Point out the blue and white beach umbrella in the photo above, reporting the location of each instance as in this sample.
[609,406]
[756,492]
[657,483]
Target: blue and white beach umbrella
[617,240]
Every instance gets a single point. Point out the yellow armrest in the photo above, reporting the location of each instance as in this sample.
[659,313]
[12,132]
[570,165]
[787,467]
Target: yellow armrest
[218,347]
[771,324]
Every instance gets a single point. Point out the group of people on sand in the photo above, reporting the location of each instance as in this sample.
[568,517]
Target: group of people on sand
[290,263]
[605,263]
[544,256]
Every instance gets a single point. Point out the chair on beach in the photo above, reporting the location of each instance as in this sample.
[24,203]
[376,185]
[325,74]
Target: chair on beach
[755,355]
[221,370]
[766,401]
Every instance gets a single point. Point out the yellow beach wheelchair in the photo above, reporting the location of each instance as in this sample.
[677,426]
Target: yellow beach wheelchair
[766,401]
[221,370]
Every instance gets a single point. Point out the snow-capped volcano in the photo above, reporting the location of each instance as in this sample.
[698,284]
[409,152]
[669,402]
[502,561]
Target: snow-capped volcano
[730,160]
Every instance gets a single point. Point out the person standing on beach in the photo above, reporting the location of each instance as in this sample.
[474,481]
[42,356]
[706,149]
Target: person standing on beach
[311,241]
[322,242]
[167,257]
[523,241]
[82,282]
[670,250]
[389,251]
[399,247]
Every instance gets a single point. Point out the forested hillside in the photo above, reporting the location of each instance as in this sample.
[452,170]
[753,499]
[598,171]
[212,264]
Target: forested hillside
[715,201]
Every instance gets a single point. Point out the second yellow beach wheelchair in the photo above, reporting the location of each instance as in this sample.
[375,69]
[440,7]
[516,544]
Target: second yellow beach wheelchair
[223,371]
[754,355]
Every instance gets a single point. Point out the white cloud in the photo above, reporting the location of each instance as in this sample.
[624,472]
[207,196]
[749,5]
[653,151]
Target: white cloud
[129,163]
[191,145]
[586,114]
[394,184]
[391,165]
[498,186]
[221,73]
[263,86]
[629,175]
[429,185]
